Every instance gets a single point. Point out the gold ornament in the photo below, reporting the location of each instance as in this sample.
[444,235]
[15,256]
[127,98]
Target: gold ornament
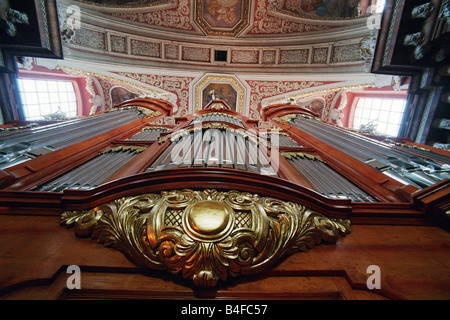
[291,155]
[135,149]
[208,235]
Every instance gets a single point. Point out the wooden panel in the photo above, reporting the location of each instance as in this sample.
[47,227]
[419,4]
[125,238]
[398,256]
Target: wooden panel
[114,285]
[414,262]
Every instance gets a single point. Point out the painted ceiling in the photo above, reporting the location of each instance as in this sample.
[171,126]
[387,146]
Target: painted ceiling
[254,35]
[307,51]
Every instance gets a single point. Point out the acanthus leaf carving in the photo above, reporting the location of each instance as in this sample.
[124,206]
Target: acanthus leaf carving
[206,236]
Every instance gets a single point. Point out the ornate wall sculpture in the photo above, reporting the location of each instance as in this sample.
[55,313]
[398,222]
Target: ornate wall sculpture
[206,235]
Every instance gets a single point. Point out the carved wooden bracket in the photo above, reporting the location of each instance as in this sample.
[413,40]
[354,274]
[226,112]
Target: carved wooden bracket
[208,235]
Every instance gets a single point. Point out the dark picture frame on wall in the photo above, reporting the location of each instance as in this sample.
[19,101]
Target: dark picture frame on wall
[29,28]
[7,62]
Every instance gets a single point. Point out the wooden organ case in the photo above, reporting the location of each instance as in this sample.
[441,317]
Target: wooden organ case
[216,207]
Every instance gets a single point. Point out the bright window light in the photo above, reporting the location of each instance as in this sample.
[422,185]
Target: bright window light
[379,115]
[47,99]
[380,6]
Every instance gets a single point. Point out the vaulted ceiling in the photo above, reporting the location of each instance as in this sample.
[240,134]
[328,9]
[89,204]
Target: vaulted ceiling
[288,36]
[262,51]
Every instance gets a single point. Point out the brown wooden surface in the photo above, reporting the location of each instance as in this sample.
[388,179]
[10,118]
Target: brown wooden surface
[414,262]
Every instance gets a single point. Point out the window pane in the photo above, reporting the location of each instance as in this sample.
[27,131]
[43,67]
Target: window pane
[392,129]
[62,86]
[44,97]
[45,109]
[397,105]
[54,97]
[376,104]
[71,96]
[52,86]
[41,86]
[34,112]
[385,115]
[395,117]
[374,114]
[28,85]
[32,97]
[381,127]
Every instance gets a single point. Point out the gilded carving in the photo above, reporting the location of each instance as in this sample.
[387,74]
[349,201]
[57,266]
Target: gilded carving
[205,236]
[217,113]
[148,128]
[28,126]
[148,112]
[286,118]
[291,155]
[217,106]
[135,149]
[411,146]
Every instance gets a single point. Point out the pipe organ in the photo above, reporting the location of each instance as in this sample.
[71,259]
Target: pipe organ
[211,198]
[149,134]
[219,147]
[324,179]
[218,116]
[89,174]
[409,167]
[23,145]
[282,139]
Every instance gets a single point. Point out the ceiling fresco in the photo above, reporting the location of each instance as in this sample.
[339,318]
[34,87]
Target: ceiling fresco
[122,3]
[331,9]
[222,17]
[254,35]
[274,51]
[232,17]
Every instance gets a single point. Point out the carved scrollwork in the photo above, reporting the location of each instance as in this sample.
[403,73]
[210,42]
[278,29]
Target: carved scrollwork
[147,112]
[208,235]
[286,118]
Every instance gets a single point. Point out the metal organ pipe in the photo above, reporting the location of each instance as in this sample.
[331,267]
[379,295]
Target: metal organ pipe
[326,180]
[215,148]
[21,145]
[398,163]
[91,173]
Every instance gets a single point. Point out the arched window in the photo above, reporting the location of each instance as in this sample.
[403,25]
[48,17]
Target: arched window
[47,99]
[381,116]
